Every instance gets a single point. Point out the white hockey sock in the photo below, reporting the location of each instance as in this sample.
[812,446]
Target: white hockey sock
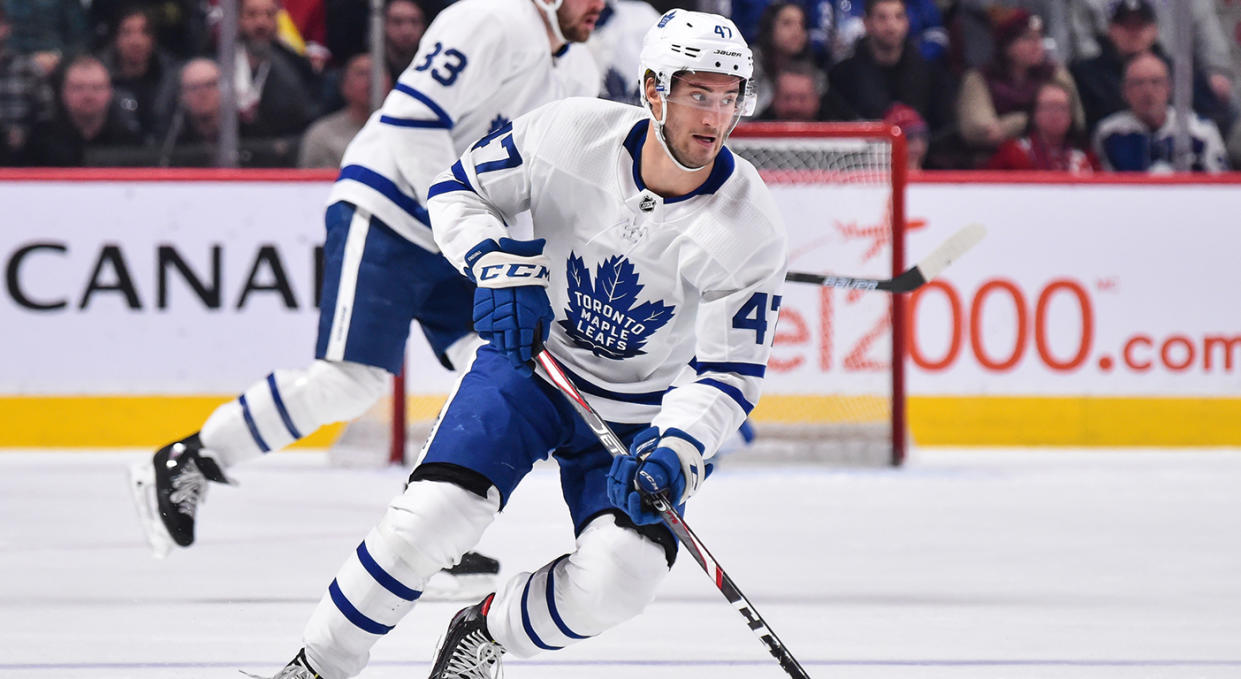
[609,578]
[425,529]
[288,405]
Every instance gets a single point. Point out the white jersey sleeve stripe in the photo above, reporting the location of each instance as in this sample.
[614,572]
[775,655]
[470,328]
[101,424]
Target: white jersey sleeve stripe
[388,189]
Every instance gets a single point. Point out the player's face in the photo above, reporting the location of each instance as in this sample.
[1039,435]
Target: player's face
[577,18]
[701,110]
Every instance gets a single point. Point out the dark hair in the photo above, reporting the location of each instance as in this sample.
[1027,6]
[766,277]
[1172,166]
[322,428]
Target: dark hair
[425,11]
[766,47]
[131,11]
[871,4]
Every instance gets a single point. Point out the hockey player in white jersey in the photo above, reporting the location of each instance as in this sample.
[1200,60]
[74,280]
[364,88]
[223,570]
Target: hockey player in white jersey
[481,63]
[653,273]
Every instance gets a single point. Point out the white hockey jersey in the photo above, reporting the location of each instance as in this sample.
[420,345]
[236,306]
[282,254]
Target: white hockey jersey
[480,64]
[665,308]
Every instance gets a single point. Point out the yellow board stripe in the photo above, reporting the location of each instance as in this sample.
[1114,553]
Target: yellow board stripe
[148,421]
[1081,421]
[132,421]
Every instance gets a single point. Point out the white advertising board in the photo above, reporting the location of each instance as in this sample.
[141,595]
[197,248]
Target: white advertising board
[165,287]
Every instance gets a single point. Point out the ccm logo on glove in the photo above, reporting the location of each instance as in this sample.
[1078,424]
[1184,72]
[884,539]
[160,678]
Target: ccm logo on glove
[493,272]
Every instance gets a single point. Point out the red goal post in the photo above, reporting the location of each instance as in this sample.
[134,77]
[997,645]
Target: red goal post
[854,173]
[848,181]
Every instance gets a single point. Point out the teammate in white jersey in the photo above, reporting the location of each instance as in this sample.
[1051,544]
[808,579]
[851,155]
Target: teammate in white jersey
[480,63]
[654,275]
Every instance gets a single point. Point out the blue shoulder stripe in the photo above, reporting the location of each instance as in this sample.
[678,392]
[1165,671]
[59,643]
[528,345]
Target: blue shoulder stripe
[387,188]
[731,391]
[442,119]
[747,369]
[446,186]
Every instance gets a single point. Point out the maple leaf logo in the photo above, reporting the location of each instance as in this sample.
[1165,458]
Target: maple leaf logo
[499,123]
[602,315]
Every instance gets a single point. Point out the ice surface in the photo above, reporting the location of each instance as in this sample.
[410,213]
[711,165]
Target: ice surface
[966,563]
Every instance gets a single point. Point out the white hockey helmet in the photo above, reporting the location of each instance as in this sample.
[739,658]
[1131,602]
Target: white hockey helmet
[698,42]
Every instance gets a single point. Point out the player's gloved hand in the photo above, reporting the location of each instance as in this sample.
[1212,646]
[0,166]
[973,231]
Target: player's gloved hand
[670,464]
[511,309]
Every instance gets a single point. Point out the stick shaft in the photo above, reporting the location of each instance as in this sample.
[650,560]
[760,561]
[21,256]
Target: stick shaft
[549,368]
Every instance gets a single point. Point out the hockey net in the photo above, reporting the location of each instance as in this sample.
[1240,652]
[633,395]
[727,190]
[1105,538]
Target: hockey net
[835,383]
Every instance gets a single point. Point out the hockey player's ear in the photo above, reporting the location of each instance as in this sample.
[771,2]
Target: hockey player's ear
[652,95]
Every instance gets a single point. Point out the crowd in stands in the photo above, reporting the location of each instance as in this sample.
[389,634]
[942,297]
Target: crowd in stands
[1070,85]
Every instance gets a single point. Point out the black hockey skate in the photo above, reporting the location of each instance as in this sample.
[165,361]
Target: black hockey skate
[468,651]
[298,668]
[167,491]
[474,576]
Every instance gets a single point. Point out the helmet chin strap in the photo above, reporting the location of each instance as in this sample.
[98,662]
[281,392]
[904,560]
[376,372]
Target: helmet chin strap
[663,140]
[549,12]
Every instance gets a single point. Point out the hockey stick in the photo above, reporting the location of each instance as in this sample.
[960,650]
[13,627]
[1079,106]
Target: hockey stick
[550,370]
[913,278]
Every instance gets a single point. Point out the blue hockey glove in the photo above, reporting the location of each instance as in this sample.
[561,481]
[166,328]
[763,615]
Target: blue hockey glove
[669,464]
[511,309]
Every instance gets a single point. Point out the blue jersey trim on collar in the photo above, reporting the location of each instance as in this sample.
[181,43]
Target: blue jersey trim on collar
[561,52]
[720,172]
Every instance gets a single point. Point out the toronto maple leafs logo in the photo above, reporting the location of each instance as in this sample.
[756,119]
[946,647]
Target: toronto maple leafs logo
[602,315]
[499,123]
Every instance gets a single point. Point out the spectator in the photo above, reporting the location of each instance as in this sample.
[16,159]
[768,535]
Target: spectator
[973,42]
[799,90]
[324,143]
[995,101]
[884,69]
[25,97]
[1131,30]
[143,76]
[179,26]
[782,39]
[88,118]
[193,137]
[1210,40]
[1052,140]
[1140,139]
[272,83]
[197,118]
[47,30]
[845,25]
[917,136]
[348,24]
[404,23]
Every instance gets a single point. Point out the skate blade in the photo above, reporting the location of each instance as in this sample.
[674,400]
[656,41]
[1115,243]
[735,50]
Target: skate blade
[142,491]
[446,587]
